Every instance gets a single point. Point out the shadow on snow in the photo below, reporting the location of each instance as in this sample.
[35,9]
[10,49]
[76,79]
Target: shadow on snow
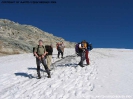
[22,74]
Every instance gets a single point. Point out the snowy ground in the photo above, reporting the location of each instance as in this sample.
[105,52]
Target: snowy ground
[110,76]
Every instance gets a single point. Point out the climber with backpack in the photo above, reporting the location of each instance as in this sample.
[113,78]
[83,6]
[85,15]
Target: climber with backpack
[82,49]
[40,53]
[59,49]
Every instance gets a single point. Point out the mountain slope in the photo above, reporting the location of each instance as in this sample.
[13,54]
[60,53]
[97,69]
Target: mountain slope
[16,38]
[109,75]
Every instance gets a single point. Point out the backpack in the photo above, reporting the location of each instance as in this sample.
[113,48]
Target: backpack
[37,49]
[77,48]
[49,49]
[89,47]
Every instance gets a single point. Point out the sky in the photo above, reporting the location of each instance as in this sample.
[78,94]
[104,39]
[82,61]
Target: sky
[104,23]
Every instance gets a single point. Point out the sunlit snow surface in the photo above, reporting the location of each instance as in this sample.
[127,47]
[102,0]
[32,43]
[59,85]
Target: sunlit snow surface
[110,73]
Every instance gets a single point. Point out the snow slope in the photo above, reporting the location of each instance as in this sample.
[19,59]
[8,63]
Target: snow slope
[109,76]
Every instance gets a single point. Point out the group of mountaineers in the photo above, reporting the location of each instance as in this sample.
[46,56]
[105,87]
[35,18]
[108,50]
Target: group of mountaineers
[43,54]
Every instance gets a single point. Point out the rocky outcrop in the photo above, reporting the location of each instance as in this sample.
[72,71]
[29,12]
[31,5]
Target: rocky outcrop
[16,38]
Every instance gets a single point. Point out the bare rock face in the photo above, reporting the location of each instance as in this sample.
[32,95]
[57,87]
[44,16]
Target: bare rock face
[16,38]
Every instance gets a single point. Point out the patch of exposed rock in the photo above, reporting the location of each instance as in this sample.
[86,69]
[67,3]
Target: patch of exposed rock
[16,38]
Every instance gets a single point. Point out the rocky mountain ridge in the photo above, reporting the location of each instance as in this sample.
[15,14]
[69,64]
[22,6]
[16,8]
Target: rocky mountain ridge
[16,38]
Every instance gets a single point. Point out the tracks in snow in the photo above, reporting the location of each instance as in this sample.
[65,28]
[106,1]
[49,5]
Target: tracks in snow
[68,81]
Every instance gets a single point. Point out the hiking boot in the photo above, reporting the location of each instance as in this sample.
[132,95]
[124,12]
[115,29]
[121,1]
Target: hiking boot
[88,64]
[79,63]
[39,77]
[82,66]
[49,76]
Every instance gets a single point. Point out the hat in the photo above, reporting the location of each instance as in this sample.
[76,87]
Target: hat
[40,40]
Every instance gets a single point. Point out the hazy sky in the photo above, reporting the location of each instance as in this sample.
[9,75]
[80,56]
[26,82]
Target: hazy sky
[105,23]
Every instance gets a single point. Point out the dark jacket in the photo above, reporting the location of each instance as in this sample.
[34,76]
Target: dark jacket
[49,49]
